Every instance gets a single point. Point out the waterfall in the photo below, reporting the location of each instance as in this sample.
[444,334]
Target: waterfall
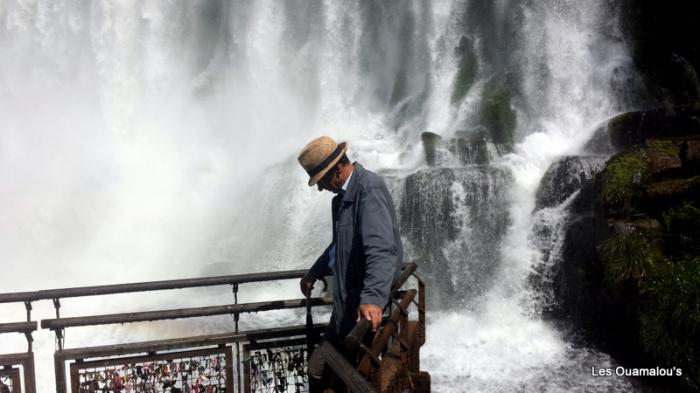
[146,140]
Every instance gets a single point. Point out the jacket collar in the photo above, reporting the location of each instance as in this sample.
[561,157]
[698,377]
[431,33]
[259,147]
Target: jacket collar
[353,187]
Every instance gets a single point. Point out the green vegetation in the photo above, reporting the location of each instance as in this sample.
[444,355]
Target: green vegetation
[632,256]
[622,178]
[466,71]
[496,112]
[670,318]
[400,88]
[683,223]
[654,270]
[668,296]
[466,74]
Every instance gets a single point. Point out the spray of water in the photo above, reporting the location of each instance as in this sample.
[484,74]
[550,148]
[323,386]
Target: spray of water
[148,140]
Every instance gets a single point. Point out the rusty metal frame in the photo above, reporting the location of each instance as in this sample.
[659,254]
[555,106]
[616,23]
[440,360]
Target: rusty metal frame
[392,361]
[13,375]
[410,335]
[151,349]
[274,343]
[226,351]
[146,316]
[26,361]
[51,294]
[26,328]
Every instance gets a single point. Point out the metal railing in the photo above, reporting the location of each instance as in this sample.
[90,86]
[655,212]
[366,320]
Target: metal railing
[263,360]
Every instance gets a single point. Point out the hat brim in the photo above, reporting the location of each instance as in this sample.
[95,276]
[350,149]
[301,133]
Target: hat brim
[314,179]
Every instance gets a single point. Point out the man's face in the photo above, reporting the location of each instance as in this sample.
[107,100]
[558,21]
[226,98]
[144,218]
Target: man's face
[330,181]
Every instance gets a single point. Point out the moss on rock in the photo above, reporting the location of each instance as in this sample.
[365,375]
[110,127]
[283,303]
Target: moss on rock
[623,177]
[496,112]
[466,71]
[684,222]
[667,300]
[670,318]
[653,271]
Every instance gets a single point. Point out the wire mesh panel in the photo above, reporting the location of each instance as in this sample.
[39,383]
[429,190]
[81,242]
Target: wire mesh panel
[10,381]
[276,367]
[201,371]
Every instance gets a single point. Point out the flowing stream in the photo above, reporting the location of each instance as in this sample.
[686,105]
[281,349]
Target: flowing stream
[144,140]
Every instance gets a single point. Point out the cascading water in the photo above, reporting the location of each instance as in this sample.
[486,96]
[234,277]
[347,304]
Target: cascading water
[149,140]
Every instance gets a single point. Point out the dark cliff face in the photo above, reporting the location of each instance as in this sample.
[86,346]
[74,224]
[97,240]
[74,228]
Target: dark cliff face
[665,49]
[630,272]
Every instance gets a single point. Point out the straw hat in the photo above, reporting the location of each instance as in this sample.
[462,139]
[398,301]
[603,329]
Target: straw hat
[320,155]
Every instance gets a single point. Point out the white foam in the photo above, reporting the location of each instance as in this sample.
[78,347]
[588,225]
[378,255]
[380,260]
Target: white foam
[139,145]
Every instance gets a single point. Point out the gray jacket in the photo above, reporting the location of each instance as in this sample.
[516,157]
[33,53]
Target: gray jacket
[369,253]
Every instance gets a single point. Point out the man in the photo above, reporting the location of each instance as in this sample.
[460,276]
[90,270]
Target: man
[366,254]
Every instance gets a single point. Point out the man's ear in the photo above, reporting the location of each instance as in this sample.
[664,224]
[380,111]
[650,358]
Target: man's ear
[338,170]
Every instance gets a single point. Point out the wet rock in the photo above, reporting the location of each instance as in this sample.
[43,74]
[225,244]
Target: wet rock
[622,180]
[427,205]
[430,143]
[674,188]
[566,176]
[690,153]
[600,143]
[463,149]
[629,269]
[454,219]
[631,129]
[479,152]
[496,113]
[466,70]
[660,161]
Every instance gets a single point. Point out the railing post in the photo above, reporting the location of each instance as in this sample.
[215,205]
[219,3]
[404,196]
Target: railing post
[421,309]
[29,374]
[30,340]
[28,306]
[59,338]
[229,369]
[236,318]
[60,370]
[57,306]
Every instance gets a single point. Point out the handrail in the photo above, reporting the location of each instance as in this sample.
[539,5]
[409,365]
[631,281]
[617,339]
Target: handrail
[148,286]
[18,327]
[48,294]
[61,323]
[174,343]
[408,270]
[356,382]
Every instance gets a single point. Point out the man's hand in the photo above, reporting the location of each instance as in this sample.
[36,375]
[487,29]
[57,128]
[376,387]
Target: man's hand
[307,284]
[372,313]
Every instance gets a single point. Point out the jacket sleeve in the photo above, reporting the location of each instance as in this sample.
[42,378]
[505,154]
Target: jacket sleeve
[379,243]
[320,267]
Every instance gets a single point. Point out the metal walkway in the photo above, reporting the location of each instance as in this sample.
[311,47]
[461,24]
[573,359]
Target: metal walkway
[262,360]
